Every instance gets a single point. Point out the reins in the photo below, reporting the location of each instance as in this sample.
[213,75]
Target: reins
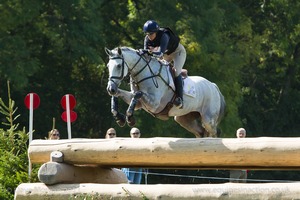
[153,75]
[147,65]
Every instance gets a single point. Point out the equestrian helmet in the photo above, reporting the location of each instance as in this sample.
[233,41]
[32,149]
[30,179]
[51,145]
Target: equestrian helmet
[150,26]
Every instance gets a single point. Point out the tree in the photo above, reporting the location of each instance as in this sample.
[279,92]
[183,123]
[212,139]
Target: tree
[271,78]
[13,152]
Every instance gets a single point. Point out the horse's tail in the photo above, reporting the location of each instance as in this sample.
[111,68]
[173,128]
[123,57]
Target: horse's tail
[222,105]
[222,108]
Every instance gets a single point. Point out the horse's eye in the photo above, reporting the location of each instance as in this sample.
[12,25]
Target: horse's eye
[119,65]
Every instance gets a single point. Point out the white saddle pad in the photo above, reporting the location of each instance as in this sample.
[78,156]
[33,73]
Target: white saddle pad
[189,87]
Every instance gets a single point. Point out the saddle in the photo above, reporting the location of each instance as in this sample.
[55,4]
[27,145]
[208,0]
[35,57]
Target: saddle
[163,115]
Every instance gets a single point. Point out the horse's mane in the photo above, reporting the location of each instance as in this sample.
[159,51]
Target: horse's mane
[128,48]
[123,48]
[132,50]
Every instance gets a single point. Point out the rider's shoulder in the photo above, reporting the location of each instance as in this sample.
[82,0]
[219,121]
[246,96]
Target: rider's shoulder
[166,30]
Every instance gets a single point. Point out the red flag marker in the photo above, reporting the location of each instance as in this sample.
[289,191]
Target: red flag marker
[68,102]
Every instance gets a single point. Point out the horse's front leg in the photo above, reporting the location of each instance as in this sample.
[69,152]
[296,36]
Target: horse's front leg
[129,113]
[119,117]
[127,97]
[131,99]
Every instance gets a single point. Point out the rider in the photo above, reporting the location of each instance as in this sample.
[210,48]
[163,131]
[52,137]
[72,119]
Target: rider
[162,42]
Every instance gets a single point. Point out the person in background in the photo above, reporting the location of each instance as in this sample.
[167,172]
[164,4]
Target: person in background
[134,175]
[53,134]
[239,176]
[111,133]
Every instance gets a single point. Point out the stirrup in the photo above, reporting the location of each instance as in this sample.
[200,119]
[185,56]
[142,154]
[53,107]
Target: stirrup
[178,102]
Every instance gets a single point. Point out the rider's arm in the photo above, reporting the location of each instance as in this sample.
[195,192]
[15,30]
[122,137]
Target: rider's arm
[145,42]
[163,45]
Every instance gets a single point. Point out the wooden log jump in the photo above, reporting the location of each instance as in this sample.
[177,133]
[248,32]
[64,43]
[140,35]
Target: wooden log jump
[53,173]
[233,191]
[263,153]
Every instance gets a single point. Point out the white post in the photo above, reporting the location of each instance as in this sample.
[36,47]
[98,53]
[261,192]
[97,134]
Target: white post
[68,116]
[30,129]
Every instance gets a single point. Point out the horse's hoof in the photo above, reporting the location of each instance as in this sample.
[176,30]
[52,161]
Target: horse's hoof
[120,119]
[121,123]
[130,121]
[129,113]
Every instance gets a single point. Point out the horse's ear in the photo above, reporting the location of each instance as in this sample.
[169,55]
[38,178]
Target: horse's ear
[107,51]
[119,51]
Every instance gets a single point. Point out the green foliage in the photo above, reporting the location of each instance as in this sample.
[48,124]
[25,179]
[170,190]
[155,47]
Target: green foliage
[17,49]
[9,111]
[13,152]
[249,49]
[13,161]
[271,79]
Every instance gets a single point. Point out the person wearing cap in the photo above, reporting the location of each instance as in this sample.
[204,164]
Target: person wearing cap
[134,175]
[111,133]
[53,135]
[239,176]
[162,42]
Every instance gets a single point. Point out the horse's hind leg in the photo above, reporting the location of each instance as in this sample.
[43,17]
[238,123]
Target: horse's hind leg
[192,123]
[210,127]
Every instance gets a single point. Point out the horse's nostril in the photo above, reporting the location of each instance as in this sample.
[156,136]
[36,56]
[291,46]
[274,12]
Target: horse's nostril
[111,91]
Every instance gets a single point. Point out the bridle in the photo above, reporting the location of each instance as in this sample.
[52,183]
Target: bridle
[130,71]
[123,64]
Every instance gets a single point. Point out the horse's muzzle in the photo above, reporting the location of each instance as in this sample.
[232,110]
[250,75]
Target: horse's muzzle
[112,88]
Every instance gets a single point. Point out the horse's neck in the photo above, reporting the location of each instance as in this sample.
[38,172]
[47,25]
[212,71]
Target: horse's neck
[141,67]
[146,67]
[131,58]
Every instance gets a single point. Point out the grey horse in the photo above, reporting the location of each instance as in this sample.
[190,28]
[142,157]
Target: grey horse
[152,89]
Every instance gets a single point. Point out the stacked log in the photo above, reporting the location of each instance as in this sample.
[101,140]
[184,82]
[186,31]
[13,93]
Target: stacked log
[52,173]
[232,191]
[205,153]
[86,168]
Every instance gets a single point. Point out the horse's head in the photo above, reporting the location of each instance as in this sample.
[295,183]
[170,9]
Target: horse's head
[117,69]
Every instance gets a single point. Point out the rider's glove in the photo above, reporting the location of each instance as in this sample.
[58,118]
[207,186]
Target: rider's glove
[151,53]
[157,55]
[143,51]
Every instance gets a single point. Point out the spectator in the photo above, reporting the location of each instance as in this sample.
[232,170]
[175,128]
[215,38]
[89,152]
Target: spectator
[111,133]
[239,176]
[134,175]
[53,134]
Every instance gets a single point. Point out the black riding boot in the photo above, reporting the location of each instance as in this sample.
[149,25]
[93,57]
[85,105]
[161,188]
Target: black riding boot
[178,102]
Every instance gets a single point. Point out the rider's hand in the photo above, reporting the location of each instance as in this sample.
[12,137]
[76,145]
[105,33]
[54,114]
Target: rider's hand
[143,51]
[157,55]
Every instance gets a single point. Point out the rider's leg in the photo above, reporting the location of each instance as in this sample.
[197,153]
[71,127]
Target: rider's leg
[178,57]
[179,60]
[179,92]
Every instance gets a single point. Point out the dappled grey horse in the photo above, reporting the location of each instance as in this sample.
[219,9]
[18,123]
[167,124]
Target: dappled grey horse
[152,89]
